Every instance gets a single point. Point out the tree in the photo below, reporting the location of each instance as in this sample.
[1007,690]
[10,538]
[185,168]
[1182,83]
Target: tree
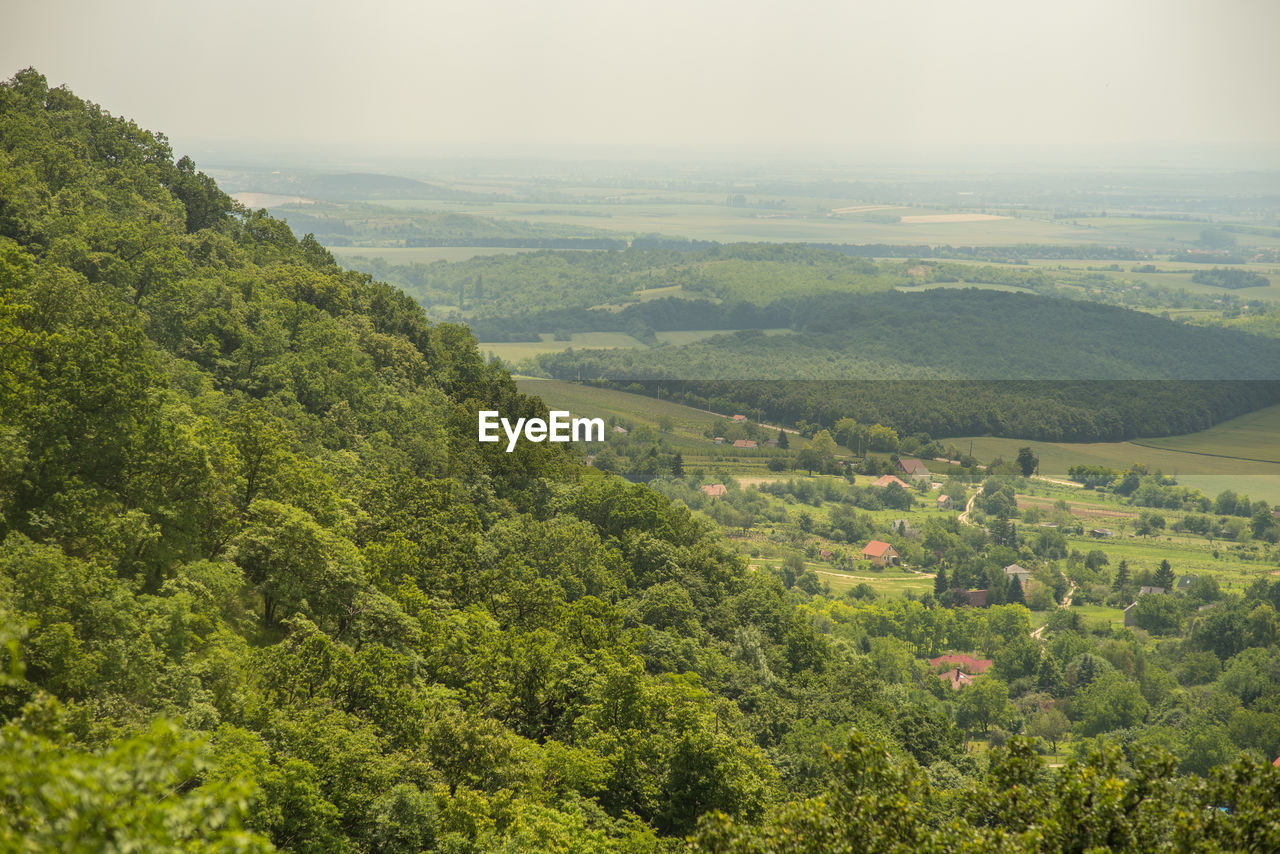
[809,460]
[1049,675]
[1164,576]
[1122,576]
[783,443]
[1160,615]
[677,465]
[985,702]
[1109,703]
[1049,724]
[1028,462]
[1014,595]
[824,445]
[941,587]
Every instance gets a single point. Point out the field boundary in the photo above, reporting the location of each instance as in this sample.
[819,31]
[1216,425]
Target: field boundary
[1201,453]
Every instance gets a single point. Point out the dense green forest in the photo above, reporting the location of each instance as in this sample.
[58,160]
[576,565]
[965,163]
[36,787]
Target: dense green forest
[659,286]
[260,588]
[959,362]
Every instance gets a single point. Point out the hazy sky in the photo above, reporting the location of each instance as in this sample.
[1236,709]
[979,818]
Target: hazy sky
[927,73]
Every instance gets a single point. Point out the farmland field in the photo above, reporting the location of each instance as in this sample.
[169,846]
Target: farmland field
[1255,436]
[514,351]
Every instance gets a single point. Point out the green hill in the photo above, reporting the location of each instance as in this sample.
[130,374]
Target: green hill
[965,362]
[260,588]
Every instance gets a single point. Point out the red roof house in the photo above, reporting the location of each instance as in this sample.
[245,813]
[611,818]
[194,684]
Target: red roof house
[967,663]
[714,490]
[886,479]
[914,468]
[880,553]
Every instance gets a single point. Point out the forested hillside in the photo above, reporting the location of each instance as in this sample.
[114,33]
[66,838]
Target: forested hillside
[960,362]
[261,588]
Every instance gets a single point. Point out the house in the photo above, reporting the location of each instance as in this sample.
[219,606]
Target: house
[719,440]
[914,469]
[886,479]
[903,527]
[714,490]
[1145,589]
[619,429]
[1023,575]
[957,677]
[967,663]
[1184,583]
[825,554]
[943,502]
[880,553]
[1128,613]
[1099,533]
[973,598]
[744,443]
[738,419]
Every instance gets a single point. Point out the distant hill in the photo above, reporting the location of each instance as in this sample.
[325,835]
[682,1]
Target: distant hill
[348,186]
[954,362]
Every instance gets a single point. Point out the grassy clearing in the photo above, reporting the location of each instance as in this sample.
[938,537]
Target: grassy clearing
[1226,456]
[890,582]
[1057,457]
[1255,436]
[603,403]
[514,351]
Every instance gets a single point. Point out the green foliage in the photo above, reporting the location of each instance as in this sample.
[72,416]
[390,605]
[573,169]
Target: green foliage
[239,489]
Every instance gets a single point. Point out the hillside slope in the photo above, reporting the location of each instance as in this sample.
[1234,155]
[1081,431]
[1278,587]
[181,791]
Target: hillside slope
[260,588]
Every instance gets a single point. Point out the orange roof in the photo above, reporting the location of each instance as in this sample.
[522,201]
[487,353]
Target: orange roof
[968,662]
[886,479]
[715,490]
[875,548]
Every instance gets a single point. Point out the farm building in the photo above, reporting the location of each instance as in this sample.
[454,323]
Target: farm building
[943,502]
[1023,575]
[1184,583]
[744,443]
[880,553]
[714,490]
[905,528]
[972,598]
[1099,533]
[1145,589]
[957,678]
[738,419]
[718,440]
[914,469]
[886,479]
[1128,613]
[620,430]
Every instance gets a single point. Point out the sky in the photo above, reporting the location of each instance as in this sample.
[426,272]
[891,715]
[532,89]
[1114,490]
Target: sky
[924,75]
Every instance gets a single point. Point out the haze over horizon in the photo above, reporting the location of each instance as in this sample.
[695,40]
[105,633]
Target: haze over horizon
[1145,82]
